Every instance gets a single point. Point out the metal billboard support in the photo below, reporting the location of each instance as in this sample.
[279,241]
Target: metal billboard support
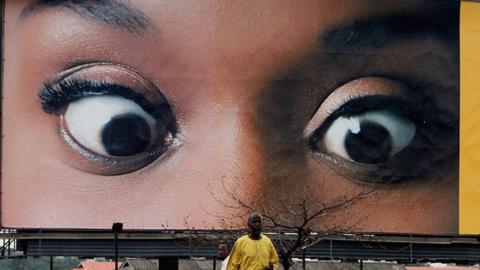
[117,227]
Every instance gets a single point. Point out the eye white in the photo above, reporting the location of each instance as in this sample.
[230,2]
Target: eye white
[400,130]
[86,117]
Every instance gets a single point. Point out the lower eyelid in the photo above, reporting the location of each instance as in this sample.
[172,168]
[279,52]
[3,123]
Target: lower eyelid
[410,165]
[397,172]
[87,161]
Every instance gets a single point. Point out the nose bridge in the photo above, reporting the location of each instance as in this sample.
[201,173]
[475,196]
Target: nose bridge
[223,153]
[244,155]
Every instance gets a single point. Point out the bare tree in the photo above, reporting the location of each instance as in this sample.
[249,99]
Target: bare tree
[296,222]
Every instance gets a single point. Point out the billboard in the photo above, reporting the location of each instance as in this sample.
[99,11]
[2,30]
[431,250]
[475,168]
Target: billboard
[180,114]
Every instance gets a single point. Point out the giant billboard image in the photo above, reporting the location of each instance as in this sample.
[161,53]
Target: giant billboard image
[176,114]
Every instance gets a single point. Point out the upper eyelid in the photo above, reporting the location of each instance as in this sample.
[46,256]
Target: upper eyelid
[77,66]
[109,72]
[352,89]
[357,106]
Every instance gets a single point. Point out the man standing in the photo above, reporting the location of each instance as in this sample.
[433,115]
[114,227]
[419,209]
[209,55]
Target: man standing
[253,251]
[223,255]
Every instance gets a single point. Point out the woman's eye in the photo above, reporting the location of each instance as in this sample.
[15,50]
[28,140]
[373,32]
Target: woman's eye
[111,120]
[112,126]
[375,129]
[371,137]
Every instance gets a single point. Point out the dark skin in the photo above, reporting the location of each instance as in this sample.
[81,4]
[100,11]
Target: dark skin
[249,83]
[255,226]
[222,251]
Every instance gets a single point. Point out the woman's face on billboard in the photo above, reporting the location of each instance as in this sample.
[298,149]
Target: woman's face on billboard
[151,112]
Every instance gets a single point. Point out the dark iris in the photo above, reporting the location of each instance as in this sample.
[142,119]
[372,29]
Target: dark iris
[126,135]
[372,144]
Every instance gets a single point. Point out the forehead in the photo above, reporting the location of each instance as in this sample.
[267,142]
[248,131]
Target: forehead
[230,34]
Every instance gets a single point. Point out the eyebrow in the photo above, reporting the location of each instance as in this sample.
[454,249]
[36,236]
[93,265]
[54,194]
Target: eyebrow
[380,31]
[111,12]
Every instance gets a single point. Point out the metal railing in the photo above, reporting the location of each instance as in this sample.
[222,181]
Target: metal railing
[8,244]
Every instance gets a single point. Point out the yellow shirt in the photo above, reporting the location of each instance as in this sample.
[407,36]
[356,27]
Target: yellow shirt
[249,254]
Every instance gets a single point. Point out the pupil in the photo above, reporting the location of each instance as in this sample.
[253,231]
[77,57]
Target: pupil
[126,135]
[371,145]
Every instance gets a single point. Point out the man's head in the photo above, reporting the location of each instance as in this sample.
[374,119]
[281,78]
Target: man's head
[255,224]
[222,251]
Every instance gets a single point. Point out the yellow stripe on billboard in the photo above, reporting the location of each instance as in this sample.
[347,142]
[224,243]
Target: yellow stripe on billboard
[469,118]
